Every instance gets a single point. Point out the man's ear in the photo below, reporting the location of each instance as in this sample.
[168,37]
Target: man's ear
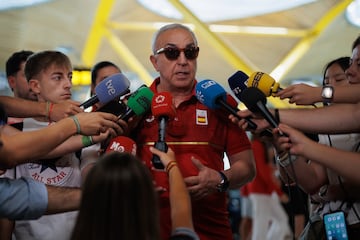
[11,81]
[154,62]
[34,85]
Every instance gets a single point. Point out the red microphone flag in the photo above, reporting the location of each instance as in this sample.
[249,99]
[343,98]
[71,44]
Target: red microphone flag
[121,144]
[162,105]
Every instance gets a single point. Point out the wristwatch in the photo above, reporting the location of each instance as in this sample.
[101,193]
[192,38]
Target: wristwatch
[224,183]
[327,93]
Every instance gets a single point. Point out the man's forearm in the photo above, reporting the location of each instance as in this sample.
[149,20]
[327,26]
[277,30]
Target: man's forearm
[305,175]
[334,159]
[52,135]
[346,94]
[17,107]
[62,199]
[242,169]
[339,118]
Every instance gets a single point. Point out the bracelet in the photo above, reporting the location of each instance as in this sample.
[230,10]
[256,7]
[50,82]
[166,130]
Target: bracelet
[282,155]
[87,141]
[76,121]
[286,159]
[277,115]
[170,165]
[323,190]
[50,110]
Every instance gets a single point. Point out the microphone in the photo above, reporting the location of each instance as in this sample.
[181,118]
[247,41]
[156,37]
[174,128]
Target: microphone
[121,144]
[108,89]
[255,101]
[213,95]
[163,109]
[238,82]
[264,82]
[138,103]
[115,107]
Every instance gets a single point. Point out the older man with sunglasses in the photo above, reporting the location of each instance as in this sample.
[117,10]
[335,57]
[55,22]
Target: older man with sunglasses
[199,137]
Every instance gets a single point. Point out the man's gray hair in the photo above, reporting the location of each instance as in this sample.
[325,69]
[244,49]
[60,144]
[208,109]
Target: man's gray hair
[169,27]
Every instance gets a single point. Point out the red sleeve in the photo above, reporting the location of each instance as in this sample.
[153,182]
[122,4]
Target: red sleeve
[238,140]
[263,169]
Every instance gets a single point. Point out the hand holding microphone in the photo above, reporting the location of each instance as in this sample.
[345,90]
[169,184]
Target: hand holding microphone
[238,83]
[301,94]
[163,110]
[138,103]
[255,101]
[108,89]
[212,95]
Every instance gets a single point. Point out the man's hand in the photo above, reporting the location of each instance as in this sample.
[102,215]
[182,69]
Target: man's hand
[204,183]
[261,123]
[64,109]
[301,94]
[94,123]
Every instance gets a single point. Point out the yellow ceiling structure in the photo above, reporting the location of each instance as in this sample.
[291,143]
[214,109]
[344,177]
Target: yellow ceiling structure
[292,44]
[104,27]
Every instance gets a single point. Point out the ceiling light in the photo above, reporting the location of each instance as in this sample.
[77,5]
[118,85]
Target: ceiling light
[215,10]
[352,13]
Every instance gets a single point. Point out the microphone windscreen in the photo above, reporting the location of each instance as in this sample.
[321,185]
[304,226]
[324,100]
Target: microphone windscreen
[264,82]
[208,92]
[112,87]
[238,82]
[121,144]
[140,101]
[251,96]
[162,105]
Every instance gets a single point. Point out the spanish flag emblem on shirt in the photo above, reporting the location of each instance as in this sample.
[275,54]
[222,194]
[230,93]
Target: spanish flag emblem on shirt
[201,117]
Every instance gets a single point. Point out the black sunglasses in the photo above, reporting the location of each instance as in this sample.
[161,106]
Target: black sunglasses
[172,53]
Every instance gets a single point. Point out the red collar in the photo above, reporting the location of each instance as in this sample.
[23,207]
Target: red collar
[157,81]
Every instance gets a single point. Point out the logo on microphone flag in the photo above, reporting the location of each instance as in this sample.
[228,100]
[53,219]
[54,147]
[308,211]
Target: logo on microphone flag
[201,117]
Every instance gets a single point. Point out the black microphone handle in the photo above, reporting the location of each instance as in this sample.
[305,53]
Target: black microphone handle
[267,114]
[91,101]
[115,107]
[128,114]
[162,146]
[233,111]
[162,128]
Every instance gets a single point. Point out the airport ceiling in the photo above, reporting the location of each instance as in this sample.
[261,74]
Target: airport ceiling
[121,31]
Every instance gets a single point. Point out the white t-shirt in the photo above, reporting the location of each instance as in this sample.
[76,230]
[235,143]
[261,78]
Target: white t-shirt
[347,142]
[62,171]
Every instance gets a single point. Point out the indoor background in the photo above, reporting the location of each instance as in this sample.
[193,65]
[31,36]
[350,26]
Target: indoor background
[291,40]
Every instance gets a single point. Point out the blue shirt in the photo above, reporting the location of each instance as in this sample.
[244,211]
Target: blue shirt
[22,198]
